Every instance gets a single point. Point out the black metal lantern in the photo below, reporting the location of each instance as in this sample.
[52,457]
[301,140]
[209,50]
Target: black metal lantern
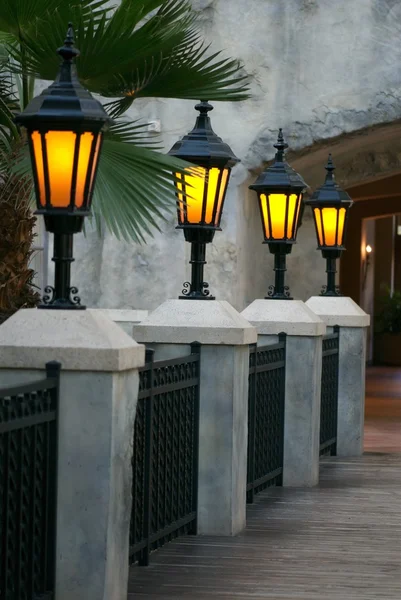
[201,192]
[65,127]
[330,206]
[280,190]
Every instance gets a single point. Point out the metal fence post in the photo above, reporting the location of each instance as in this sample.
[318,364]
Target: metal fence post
[144,557]
[196,349]
[251,422]
[53,370]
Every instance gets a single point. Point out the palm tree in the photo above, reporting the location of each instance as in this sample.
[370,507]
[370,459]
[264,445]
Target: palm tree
[141,49]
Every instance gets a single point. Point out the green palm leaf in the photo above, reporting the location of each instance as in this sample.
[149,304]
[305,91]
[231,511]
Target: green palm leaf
[146,48]
[18,17]
[143,180]
[163,56]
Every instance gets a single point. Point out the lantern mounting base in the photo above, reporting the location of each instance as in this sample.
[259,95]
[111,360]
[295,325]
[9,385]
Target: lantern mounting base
[331,256]
[333,293]
[62,296]
[197,288]
[279,291]
[72,302]
[282,295]
[190,294]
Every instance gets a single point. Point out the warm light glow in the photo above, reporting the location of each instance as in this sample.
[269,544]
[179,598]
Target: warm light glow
[61,147]
[368,249]
[95,161]
[38,154]
[193,186]
[330,225]
[222,193]
[280,213]
[83,164]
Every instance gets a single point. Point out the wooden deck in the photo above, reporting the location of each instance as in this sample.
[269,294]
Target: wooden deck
[339,541]
[383,410]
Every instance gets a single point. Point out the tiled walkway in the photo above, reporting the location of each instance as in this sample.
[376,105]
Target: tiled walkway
[339,541]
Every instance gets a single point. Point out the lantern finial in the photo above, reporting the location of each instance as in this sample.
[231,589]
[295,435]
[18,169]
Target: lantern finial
[280,146]
[204,107]
[330,168]
[68,52]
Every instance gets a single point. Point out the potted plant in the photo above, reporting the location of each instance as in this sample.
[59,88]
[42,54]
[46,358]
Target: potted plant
[387,342]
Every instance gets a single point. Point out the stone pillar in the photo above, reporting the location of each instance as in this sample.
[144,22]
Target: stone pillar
[97,404]
[303,372]
[225,337]
[353,323]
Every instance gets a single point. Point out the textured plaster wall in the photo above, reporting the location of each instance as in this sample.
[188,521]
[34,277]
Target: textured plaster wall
[318,68]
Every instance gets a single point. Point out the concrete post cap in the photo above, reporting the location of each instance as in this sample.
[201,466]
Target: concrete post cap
[293,317]
[338,310]
[186,321]
[82,340]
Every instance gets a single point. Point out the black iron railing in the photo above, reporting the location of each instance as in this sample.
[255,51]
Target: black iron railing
[266,417]
[28,476]
[329,396]
[165,460]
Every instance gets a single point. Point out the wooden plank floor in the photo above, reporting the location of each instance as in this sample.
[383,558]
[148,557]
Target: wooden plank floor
[383,410]
[339,541]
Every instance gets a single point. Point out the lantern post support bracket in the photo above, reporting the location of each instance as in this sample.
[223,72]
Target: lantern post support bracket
[331,289]
[279,291]
[197,288]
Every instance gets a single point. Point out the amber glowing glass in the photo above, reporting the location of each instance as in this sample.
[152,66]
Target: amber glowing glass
[204,190]
[280,215]
[63,150]
[330,225]
[38,154]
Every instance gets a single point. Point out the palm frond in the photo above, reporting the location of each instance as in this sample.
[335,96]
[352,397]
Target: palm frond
[9,134]
[134,188]
[145,48]
[20,17]
[132,132]
[161,56]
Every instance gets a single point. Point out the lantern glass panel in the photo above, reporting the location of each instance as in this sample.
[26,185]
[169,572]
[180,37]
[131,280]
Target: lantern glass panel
[330,223]
[60,146]
[38,158]
[280,214]
[85,146]
[222,194]
[204,191]
[95,161]
[61,149]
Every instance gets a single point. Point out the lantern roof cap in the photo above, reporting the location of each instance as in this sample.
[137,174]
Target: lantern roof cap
[279,176]
[330,192]
[202,145]
[65,102]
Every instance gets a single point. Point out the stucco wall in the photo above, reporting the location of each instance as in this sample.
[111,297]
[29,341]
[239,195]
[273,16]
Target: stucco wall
[318,68]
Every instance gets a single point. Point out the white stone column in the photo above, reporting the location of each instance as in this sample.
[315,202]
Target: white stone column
[225,337]
[353,323]
[302,381]
[97,404]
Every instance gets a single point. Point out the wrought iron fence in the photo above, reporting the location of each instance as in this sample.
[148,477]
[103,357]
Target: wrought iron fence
[266,417]
[28,479]
[329,395]
[165,460]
